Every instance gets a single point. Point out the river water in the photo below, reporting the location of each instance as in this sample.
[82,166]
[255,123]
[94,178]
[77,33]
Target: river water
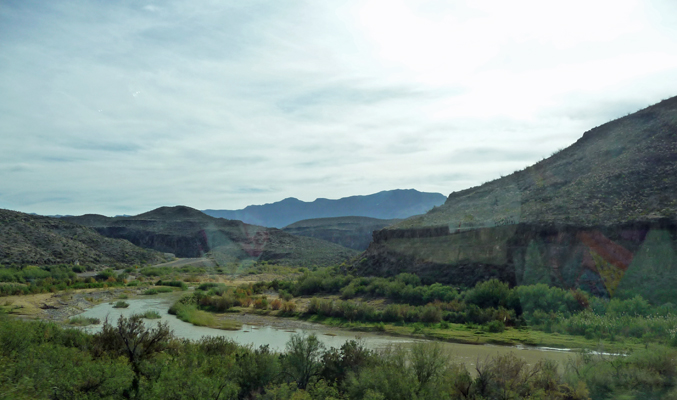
[276,332]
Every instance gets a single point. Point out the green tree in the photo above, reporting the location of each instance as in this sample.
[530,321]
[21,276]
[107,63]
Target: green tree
[302,358]
[133,340]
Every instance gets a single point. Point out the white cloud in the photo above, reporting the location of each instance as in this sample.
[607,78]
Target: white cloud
[117,109]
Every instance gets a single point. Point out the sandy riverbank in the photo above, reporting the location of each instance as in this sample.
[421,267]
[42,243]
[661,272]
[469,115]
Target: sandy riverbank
[60,306]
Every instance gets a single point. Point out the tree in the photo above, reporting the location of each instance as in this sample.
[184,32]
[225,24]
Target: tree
[133,340]
[302,358]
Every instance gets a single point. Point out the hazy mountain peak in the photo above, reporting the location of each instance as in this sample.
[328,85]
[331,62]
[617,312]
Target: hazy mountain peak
[175,212]
[387,204]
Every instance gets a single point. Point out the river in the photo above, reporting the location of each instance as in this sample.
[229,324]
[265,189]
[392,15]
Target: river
[276,332]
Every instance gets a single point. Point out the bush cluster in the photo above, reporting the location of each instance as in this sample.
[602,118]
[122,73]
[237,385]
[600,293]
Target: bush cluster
[43,360]
[491,303]
[18,280]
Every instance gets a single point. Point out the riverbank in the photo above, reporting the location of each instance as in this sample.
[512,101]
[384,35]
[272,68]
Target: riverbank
[60,306]
[451,333]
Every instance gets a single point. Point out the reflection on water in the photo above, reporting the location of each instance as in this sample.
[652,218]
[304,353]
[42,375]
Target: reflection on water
[277,338]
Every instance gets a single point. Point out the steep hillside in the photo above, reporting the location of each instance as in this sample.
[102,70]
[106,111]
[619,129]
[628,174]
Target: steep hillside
[351,232]
[187,232]
[28,239]
[600,214]
[388,204]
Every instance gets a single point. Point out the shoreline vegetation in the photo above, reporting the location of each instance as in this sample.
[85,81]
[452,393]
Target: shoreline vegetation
[489,313]
[46,360]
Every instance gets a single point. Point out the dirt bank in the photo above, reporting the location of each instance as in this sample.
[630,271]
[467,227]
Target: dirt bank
[58,307]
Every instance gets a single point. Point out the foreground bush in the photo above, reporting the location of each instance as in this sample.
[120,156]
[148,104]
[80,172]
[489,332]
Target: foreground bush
[131,360]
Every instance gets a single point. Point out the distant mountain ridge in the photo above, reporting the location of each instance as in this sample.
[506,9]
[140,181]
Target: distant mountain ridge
[389,204]
[187,232]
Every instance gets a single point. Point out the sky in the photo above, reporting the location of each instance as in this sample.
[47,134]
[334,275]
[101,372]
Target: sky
[119,107]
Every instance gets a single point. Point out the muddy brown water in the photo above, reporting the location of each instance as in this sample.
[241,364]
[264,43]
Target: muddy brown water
[276,332]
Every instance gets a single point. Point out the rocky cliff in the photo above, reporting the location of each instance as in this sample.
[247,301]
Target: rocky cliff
[187,232]
[352,232]
[600,215]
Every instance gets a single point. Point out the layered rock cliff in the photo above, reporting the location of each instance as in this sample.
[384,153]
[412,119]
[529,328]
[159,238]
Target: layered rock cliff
[599,215]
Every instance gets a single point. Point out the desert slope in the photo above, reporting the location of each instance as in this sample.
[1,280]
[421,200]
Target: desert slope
[600,215]
[28,239]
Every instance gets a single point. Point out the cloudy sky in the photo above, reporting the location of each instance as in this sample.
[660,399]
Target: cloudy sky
[119,107]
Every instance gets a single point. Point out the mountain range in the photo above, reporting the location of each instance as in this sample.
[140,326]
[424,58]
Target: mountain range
[388,204]
[599,215]
[187,232]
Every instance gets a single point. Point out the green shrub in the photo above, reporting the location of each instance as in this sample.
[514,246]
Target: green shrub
[495,326]
[284,295]
[157,290]
[408,279]
[83,321]
[152,314]
[635,306]
[492,294]
[431,315]
[348,292]
[261,303]
[393,313]
[288,307]
[209,285]
[550,299]
[121,304]
[179,284]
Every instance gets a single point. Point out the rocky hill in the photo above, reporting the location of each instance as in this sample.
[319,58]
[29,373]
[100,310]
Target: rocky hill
[352,232]
[388,204]
[35,240]
[187,232]
[599,215]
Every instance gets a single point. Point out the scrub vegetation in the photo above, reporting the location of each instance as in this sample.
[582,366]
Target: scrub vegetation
[491,304]
[31,279]
[129,359]
[490,312]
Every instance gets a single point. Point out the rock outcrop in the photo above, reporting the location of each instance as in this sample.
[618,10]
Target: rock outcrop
[352,232]
[599,215]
